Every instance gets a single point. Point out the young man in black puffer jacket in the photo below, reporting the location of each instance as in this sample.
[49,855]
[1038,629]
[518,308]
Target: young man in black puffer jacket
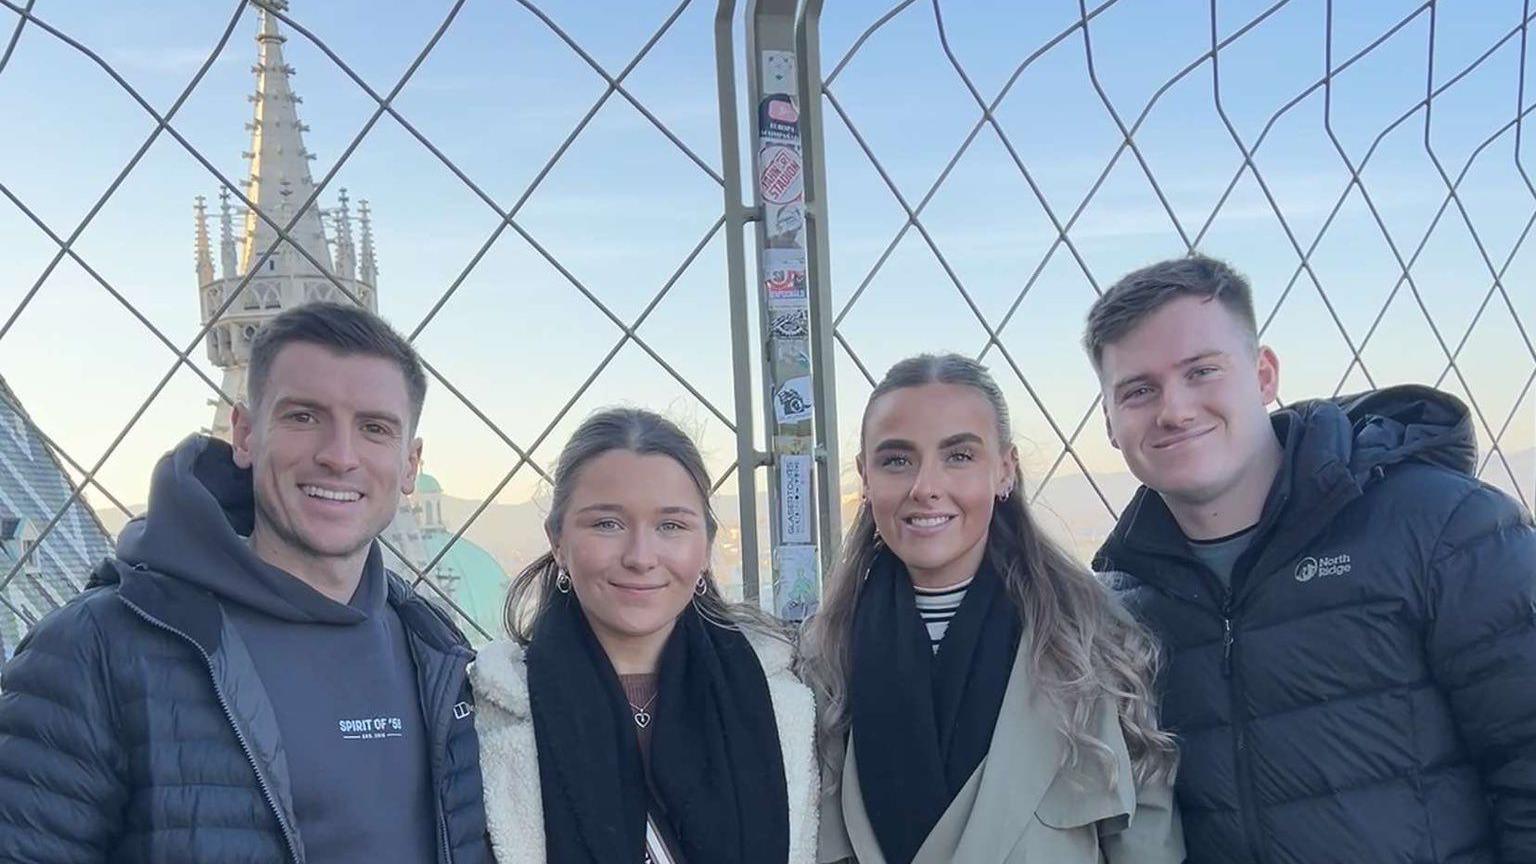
[245,682]
[1348,615]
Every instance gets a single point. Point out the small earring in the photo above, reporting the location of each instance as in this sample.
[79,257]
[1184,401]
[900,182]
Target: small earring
[701,586]
[563,582]
[1003,496]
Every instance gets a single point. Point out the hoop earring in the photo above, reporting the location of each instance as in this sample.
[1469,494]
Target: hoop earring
[701,586]
[563,582]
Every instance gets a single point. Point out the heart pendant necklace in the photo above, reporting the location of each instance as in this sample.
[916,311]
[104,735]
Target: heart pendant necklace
[643,713]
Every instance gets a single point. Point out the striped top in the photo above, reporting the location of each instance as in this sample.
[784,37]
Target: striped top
[936,606]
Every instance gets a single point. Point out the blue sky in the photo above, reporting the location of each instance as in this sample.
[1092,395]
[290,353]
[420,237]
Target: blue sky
[624,207]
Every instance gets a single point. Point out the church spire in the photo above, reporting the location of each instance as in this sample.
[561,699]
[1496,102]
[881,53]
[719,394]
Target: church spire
[226,237]
[204,253]
[280,179]
[369,266]
[346,256]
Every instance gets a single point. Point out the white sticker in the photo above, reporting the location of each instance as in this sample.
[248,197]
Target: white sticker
[792,401]
[779,72]
[794,498]
[779,174]
[783,226]
[776,259]
[795,591]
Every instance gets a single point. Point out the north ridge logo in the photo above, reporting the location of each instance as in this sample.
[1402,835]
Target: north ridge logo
[1331,565]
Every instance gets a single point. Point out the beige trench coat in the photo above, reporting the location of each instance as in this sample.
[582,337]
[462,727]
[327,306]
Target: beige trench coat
[1020,806]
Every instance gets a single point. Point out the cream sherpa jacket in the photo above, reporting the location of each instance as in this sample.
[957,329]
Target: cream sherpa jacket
[509,759]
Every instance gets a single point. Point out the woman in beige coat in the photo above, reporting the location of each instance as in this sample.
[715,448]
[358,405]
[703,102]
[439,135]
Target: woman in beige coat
[983,698]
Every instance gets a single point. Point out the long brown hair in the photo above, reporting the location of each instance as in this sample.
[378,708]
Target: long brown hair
[1083,645]
[637,431]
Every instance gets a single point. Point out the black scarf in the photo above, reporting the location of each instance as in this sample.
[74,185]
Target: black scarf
[922,722]
[715,761]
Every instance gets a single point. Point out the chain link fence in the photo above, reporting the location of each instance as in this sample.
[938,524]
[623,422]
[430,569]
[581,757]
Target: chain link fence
[988,167]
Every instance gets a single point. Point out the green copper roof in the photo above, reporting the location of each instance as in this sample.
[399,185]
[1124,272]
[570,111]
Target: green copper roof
[482,585]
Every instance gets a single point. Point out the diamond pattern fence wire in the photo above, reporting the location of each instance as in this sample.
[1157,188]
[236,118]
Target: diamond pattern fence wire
[611,334]
[990,168]
[1365,167]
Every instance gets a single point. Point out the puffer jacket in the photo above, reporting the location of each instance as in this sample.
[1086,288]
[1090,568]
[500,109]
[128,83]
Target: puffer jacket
[134,726]
[1366,690]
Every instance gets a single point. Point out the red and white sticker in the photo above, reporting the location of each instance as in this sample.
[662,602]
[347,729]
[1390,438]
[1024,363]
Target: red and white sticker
[782,179]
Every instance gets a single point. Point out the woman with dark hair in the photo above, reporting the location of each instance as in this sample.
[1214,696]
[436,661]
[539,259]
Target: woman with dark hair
[635,715]
[982,696]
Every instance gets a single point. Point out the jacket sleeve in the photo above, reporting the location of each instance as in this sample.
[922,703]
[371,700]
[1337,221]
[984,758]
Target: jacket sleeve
[61,779]
[1155,835]
[1481,644]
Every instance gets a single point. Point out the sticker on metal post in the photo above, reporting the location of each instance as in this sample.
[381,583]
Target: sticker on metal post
[784,278]
[795,590]
[791,358]
[784,227]
[780,177]
[779,120]
[792,400]
[794,497]
[778,72]
[790,323]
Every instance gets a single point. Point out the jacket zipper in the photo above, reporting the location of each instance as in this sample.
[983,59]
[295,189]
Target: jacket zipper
[1240,754]
[445,851]
[229,716]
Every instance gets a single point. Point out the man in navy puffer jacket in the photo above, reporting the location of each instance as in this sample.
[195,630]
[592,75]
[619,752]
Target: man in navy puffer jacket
[244,682]
[1348,615]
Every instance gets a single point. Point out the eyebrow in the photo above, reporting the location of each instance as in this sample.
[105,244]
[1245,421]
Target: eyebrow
[619,508]
[951,441]
[1187,361]
[386,416]
[318,408]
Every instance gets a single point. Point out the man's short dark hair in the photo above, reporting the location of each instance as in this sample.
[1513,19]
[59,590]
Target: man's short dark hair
[1141,293]
[343,328]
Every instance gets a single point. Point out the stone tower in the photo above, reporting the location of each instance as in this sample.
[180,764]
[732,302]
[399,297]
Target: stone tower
[281,186]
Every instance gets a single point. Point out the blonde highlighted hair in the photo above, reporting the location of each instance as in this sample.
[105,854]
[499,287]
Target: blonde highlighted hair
[1083,646]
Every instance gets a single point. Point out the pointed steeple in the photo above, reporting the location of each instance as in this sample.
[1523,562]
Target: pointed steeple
[279,161]
[227,260]
[369,266]
[346,256]
[204,253]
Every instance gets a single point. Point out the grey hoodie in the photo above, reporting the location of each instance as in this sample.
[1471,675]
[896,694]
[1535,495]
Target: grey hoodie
[339,676]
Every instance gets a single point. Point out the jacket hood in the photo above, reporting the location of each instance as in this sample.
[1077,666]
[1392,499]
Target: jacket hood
[1407,423]
[202,509]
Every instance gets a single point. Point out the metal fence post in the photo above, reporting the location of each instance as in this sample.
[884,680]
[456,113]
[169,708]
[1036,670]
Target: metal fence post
[819,274]
[790,404]
[737,215]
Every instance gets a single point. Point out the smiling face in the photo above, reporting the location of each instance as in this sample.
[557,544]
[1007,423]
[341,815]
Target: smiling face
[635,542]
[932,465]
[331,452]
[1184,396]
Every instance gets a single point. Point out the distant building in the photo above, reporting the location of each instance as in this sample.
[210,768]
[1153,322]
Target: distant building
[34,486]
[467,572]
